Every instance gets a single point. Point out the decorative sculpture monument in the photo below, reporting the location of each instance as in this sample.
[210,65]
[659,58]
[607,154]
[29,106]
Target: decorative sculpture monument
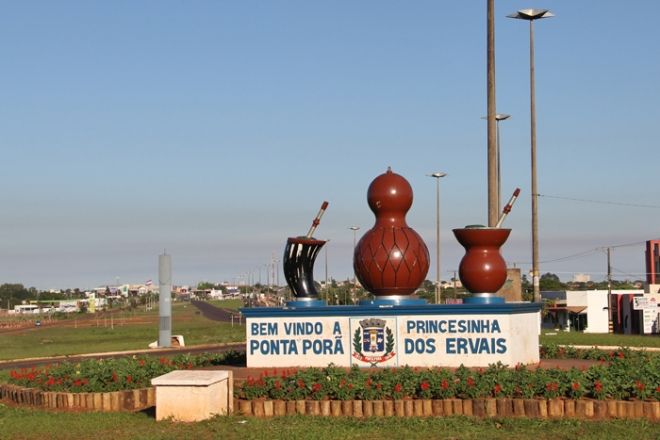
[395,329]
[391,259]
[298,263]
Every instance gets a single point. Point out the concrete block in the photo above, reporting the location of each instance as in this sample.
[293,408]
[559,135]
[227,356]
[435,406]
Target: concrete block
[193,395]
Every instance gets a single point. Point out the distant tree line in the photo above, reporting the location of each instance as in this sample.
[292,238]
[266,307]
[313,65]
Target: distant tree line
[550,281]
[12,294]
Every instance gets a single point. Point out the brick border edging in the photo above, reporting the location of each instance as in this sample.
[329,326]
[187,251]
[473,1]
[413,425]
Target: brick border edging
[128,400]
[531,408]
[139,399]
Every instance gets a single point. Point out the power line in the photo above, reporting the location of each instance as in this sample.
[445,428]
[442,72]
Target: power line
[585,253]
[568,257]
[602,202]
[637,243]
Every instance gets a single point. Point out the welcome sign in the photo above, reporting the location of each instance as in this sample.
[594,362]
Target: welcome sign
[392,337]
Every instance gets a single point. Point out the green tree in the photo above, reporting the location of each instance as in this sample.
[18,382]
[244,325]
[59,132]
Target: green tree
[12,294]
[550,281]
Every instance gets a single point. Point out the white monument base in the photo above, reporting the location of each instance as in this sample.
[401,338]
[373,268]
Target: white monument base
[474,335]
[193,395]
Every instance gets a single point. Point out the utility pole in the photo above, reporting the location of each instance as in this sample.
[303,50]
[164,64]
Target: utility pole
[610,320]
[493,200]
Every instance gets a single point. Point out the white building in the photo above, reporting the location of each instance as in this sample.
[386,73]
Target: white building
[588,310]
[581,278]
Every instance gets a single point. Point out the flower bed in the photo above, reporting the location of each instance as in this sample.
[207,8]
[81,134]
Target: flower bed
[108,375]
[555,351]
[621,378]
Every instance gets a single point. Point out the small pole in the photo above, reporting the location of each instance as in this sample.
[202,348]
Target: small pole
[610,326]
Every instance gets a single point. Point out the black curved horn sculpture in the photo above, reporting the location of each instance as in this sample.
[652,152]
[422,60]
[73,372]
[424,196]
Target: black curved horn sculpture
[298,264]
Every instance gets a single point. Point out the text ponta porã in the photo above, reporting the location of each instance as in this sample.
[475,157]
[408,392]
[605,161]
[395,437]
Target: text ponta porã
[297,338]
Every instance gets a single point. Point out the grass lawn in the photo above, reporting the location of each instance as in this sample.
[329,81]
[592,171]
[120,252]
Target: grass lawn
[577,338]
[18,423]
[126,335]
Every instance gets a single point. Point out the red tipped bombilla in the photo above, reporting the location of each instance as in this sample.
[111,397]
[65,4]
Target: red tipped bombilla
[507,208]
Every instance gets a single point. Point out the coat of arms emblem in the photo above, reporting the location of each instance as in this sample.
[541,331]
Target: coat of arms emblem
[373,342]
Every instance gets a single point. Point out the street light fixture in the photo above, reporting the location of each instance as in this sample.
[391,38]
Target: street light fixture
[437,177]
[499,117]
[531,15]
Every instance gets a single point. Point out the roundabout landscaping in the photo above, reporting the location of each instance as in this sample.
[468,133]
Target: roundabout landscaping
[573,383]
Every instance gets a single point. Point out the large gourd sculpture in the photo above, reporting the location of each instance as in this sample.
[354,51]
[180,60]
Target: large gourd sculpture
[390,259]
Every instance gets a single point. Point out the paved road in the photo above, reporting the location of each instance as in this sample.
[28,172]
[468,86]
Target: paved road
[215,313]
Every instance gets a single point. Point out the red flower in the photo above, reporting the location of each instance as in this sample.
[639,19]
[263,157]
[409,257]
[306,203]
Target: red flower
[497,389]
[551,386]
[77,383]
[115,378]
[470,382]
[424,386]
[397,388]
[575,386]
[598,386]
[350,386]
[444,384]
[639,385]
[141,362]
[129,378]
[620,355]
[277,384]
[316,387]
[342,383]
[51,381]
[301,383]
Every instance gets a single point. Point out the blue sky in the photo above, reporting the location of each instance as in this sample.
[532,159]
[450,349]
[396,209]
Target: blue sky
[215,129]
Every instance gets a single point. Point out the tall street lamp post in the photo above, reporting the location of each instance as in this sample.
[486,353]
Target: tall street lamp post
[437,177]
[354,229]
[531,15]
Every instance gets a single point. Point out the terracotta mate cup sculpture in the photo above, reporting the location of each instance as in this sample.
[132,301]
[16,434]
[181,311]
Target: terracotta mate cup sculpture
[482,269]
[391,259]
